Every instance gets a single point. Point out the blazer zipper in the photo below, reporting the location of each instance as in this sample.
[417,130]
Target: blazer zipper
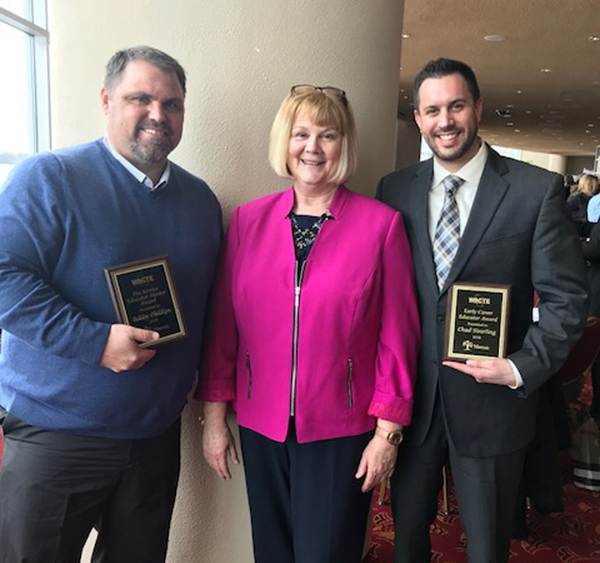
[249,368]
[349,380]
[298,277]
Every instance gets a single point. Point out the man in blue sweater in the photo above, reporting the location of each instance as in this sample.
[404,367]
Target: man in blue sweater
[90,418]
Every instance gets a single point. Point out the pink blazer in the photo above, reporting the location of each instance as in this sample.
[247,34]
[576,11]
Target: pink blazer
[358,331]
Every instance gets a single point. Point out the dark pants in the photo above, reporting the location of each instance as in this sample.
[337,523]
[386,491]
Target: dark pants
[486,489]
[595,406]
[54,488]
[305,503]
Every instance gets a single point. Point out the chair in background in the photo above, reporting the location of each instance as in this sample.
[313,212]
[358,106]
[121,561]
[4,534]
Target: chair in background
[585,451]
[579,363]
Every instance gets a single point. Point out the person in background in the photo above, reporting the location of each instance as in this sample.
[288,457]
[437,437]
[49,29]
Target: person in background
[579,200]
[314,339]
[90,417]
[591,253]
[593,209]
[474,216]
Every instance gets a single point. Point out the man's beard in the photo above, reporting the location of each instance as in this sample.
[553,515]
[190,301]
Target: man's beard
[151,151]
[458,153]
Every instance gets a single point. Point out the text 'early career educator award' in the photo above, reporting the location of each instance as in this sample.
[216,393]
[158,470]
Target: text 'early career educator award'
[477,321]
[144,296]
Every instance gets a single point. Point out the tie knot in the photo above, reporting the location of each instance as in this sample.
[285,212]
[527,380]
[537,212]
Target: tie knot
[451,184]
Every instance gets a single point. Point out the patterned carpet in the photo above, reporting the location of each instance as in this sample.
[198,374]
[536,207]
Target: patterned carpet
[571,536]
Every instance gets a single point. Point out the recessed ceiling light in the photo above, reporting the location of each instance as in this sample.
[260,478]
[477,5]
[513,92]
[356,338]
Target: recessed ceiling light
[519,91]
[498,38]
[405,36]
[594,37]
[590,124]
[510,106]
[510,124]
[545,69]
[528,112]
[587,131]
[517,130]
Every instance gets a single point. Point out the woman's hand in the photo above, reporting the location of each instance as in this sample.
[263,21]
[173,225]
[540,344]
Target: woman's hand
[218,443]
[377,463]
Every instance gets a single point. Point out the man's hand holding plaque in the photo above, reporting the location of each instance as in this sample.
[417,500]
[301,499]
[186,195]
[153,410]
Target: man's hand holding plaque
[497,371]
[124,348]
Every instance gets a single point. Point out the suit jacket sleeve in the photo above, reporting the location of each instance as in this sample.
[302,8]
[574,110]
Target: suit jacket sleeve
[591,247]
[559,277]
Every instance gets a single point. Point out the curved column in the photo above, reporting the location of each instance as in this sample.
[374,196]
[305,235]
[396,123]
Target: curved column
[242,56]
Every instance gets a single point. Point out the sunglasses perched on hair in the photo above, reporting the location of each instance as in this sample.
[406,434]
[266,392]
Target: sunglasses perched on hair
[301,89]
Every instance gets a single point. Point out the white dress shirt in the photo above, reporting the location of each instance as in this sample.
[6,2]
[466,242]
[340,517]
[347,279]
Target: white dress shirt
[471,173]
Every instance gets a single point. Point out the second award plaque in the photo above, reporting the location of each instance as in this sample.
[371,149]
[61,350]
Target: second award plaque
[144,296]
[477,321]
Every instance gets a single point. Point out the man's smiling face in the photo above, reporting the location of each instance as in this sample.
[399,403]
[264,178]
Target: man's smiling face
[144,112]
[448,118]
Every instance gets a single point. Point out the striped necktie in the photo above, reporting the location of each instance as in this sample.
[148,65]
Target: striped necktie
[447,231]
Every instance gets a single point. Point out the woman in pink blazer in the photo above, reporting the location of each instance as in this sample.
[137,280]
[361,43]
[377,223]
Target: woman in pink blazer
[314,340]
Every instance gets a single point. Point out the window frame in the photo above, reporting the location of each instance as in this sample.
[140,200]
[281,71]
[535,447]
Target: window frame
[35,26]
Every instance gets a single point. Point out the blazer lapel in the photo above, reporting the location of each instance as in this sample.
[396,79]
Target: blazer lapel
[420,186]
[490,193]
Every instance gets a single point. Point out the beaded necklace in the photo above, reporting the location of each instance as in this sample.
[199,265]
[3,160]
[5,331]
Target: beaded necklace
[305,236]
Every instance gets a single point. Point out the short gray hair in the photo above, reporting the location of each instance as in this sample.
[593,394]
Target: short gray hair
[117,63]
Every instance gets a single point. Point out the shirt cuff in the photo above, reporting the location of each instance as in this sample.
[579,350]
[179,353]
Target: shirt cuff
[518,378]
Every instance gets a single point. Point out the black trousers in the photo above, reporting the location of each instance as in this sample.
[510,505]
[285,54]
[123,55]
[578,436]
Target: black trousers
[305,504]
[486,490]
[54,488]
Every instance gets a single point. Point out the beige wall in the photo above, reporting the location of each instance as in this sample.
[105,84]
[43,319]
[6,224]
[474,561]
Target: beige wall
[242,56]
[576,164]
[552,162]
[408,143]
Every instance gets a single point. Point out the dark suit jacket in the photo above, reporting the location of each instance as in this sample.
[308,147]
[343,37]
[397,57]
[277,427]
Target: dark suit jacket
[591,252]
[519,233]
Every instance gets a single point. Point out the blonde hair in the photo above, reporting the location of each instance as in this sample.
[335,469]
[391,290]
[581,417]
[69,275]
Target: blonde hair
[588,185]
[326,110]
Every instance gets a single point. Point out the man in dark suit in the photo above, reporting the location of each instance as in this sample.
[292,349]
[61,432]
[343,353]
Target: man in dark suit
[495,220]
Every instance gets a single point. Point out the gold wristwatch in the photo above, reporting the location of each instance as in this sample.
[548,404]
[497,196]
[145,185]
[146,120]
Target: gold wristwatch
[393,437]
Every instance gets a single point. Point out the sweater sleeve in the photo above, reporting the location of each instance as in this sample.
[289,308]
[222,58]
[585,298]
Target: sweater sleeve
[217,381]
[33,219]
[399,335]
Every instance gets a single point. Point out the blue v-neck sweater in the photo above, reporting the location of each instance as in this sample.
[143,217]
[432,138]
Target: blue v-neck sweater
[64,217]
